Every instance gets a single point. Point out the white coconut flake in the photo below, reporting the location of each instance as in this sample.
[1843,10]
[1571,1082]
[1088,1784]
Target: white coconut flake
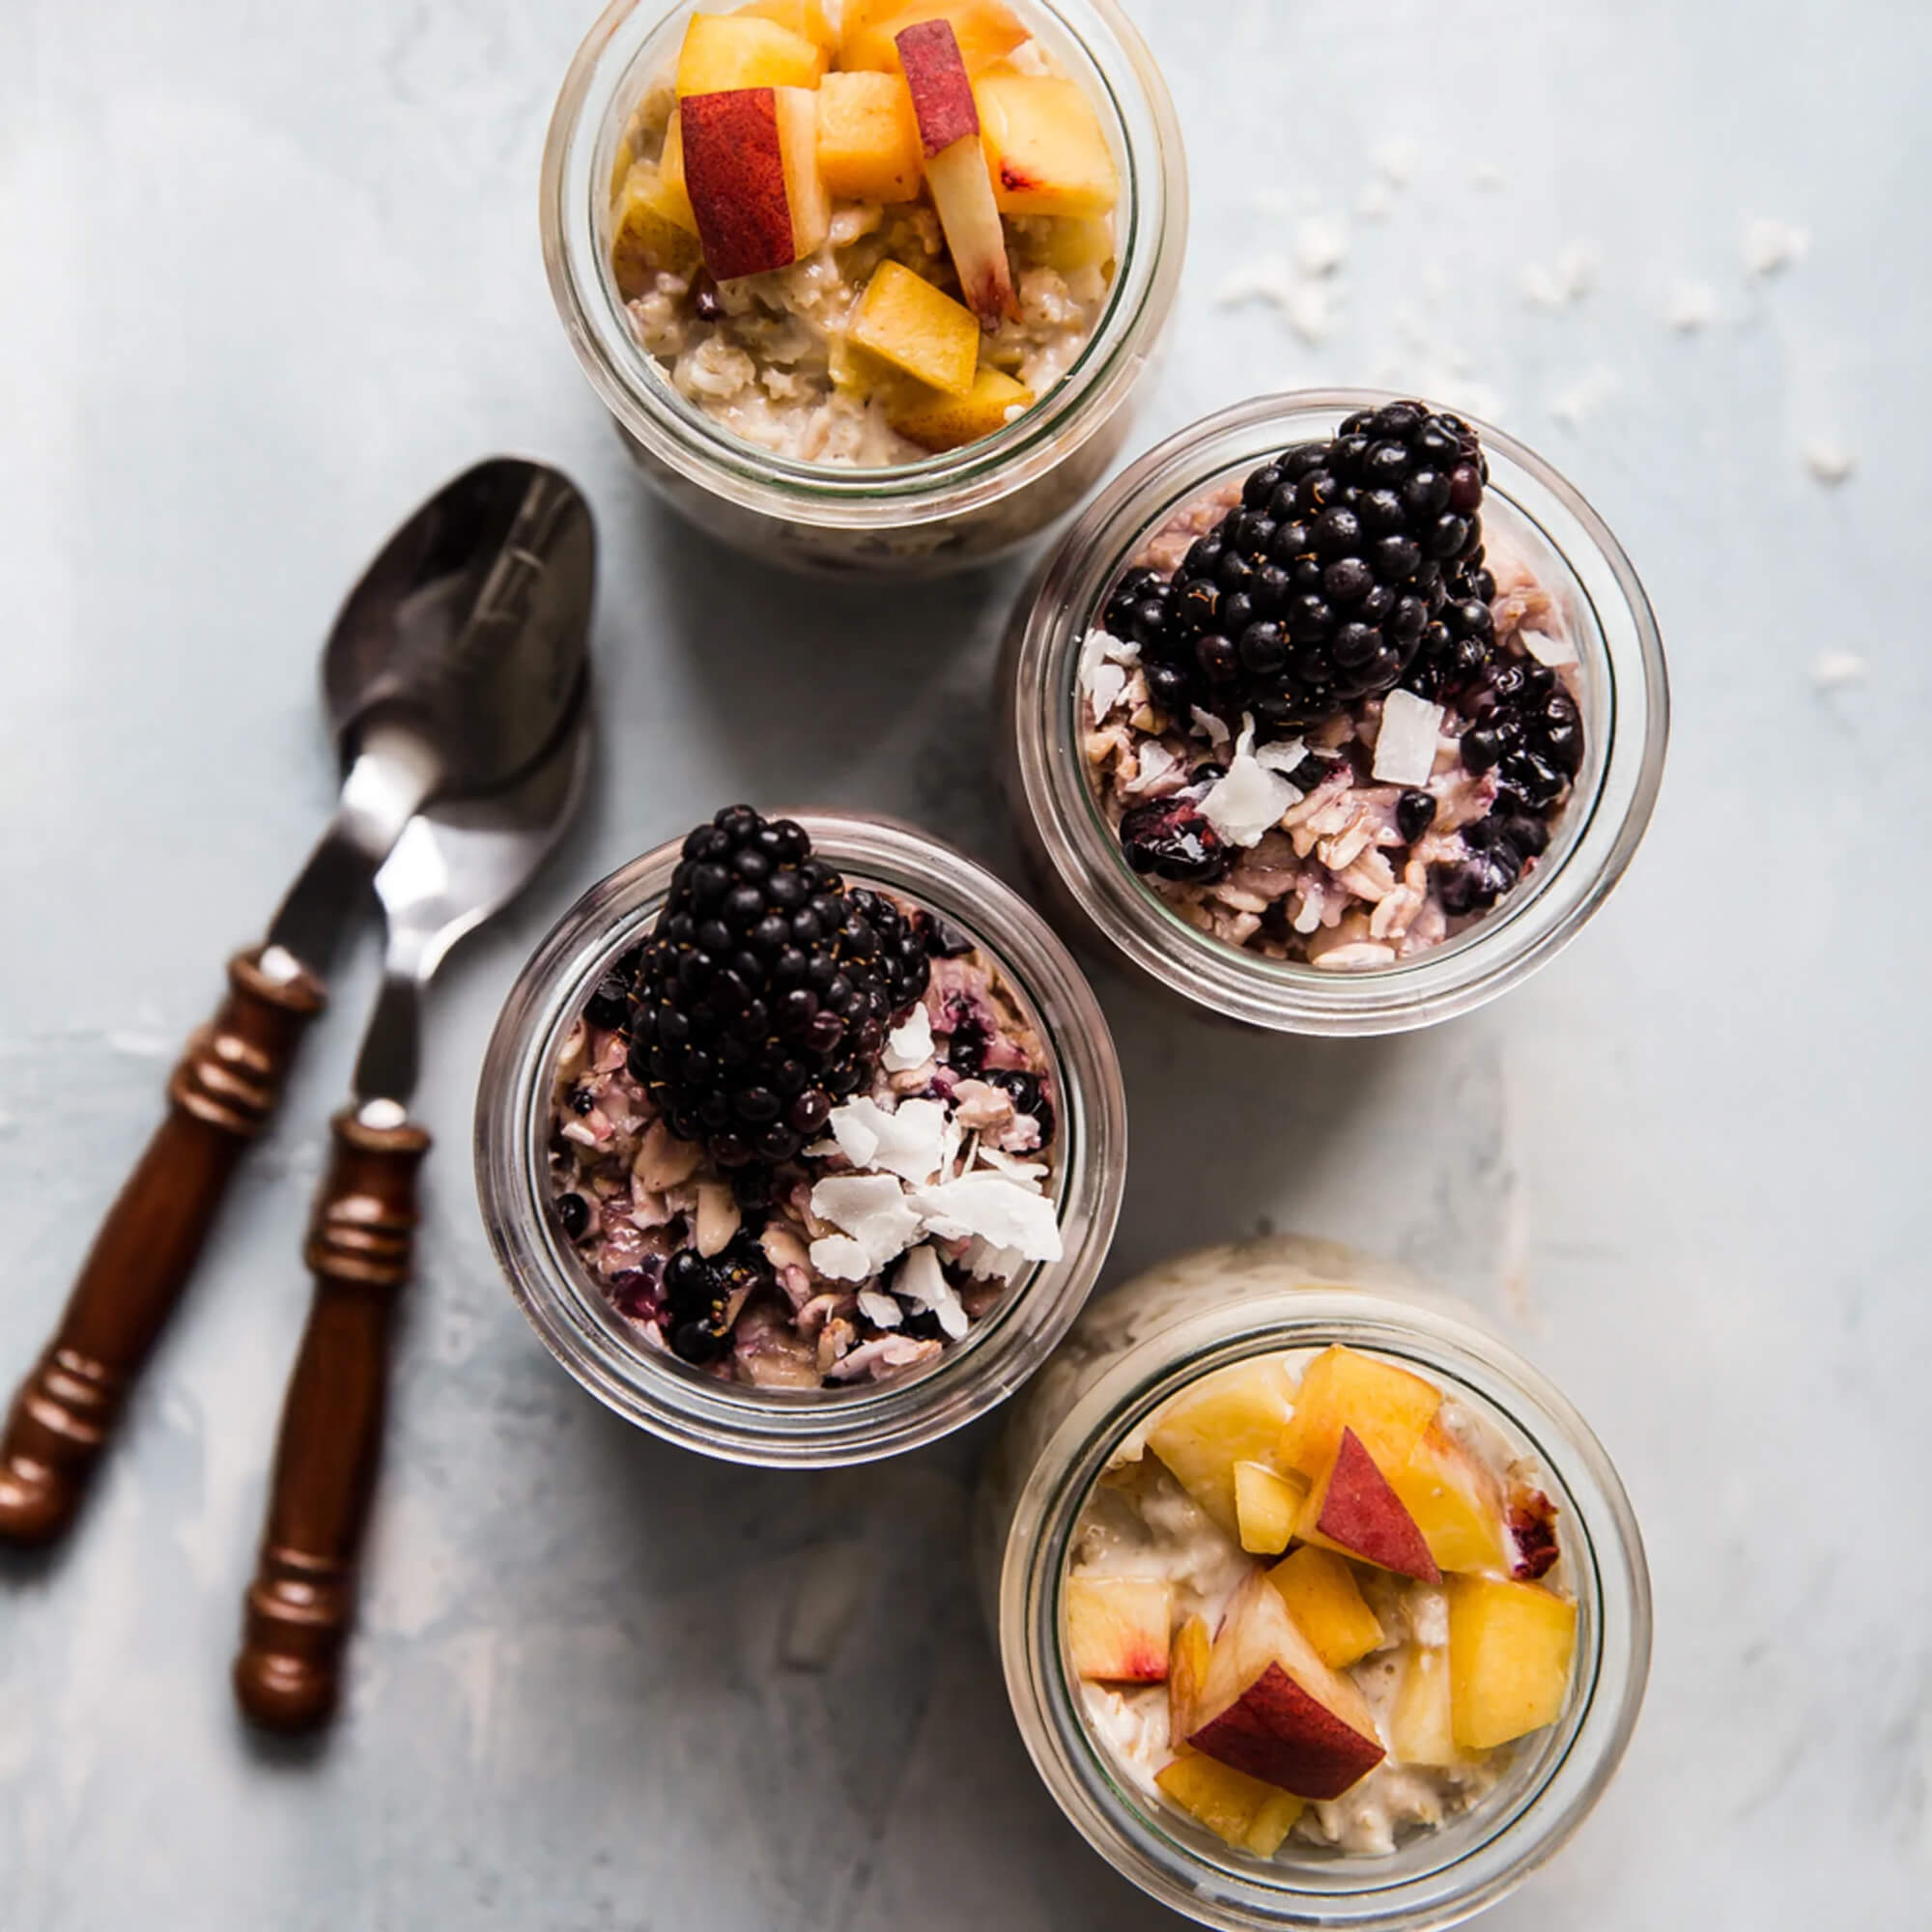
[1771,246]
[1156,762]
[986,1261]
[880,1310]
[1692,305]
[1104,684]
[1488,177]
[1250,800]
[1575,403]
[1028,1173]
[1320,246]
[1396,159]
[1405,743]
[873,1211]
[1579,264]
[1374,202]
[1548,649]
[909,1141]
[1267,278]
[1209,726]
[821,1149]
[1287,758]
[1310,311]
[1831,462]
[909,1046]
[993,1208]
[1833,670]
[922,1281]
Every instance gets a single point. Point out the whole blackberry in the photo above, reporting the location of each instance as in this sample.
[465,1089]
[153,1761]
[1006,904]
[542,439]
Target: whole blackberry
[1171,837]
[1321,585]
[766,990]
[698,1294]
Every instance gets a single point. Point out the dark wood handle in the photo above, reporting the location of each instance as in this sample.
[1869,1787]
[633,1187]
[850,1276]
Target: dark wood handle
[222,1091]
[300,1607]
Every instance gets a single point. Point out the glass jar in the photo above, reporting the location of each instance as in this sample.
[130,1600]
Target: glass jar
[1140,1346]
[790,1427]
[945,511]
[1076,857]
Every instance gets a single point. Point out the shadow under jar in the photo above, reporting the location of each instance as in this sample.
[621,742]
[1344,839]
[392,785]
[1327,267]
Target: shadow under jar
[1531,517]
[643,1381]
[1136,1350]
[923,518]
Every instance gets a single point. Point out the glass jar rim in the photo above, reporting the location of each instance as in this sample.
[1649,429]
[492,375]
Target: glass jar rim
[761,1427]
[1603,826]
[1431,1333]
[1131,91]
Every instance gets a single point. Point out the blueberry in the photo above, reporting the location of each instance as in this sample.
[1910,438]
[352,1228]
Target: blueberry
[1415,814]
[573,1213]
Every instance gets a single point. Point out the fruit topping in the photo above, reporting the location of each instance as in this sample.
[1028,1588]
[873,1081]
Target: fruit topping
[1457,1503]
[868,137]
[1510,1648]
[1532,1528]
[1233,1415]
[1247,1812]
[1267,1507]
[723,53]
[751,165]
[1186,1672]
[766,990]
[1116,1628]
[1386,1407]
[1354,1509]
[1172,837]
[1323,1599]
[1044,145]
[1421,1730]
[918,328]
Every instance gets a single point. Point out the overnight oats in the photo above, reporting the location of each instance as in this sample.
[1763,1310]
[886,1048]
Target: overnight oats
[1314,1597]
[861,237]
[867,285]
[1334,715]
[1325,723]
[1317,1605]
[801,1140]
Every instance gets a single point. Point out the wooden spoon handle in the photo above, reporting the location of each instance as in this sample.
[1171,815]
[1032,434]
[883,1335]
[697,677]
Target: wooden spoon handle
[222,1091]
[298,1610]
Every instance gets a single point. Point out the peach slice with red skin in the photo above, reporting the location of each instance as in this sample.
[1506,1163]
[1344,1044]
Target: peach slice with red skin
[956,168]
[1353,1509]
[1270,1707]
[1116,1628]
[750,167]
[1388,1408]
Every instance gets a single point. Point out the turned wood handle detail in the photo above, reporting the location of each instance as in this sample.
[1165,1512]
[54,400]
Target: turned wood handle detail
[222,1091]
[298,1610]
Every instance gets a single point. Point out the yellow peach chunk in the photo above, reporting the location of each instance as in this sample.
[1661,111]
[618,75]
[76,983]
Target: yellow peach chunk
[986,32]
[1265,1507]
[1420,1728]
[724,52]
[1386,1405]
[647,237]
[1322,1597]
[1044,146]
[1509,1649]
[670,167]
[804,17]
[1186,1672]
[868,137]
[918,328]
[937,421]
[1070,244]
[1116,1628]
[1242,1810]
[1456,1502]
[1235,1415]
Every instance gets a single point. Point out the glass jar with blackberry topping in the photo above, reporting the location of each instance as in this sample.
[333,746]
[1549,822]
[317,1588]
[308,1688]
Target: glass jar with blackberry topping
[800,403]
[1335,714]
[801,1141]
[1358,1733]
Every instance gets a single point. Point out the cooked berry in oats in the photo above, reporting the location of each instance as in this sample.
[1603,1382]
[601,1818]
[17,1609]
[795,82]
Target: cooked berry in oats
[1328,726]
[804,1133]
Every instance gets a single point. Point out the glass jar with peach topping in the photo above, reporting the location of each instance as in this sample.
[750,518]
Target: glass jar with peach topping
[1318,1605]
[866,286]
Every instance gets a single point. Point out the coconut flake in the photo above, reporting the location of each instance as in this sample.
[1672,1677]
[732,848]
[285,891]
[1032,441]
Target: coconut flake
[1548,649]
[1405,743]
[1693,305]
[1320,246]
[1214,729]
[1156,762]
[1770,246]
[1104,684]
[1287,758]
[1832,671]
[1831,462]
[880,1310]
[999,1210]
[1375,201]
[922,1281]
[1028,1173]
[1249,800]
[873,1211]
[986,1261]
[910,1044]
[909,1141]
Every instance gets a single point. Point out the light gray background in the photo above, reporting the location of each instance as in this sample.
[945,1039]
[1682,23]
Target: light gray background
[269,272]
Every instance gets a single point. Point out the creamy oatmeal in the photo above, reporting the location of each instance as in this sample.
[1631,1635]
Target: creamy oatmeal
[858,237]
[1314,1599]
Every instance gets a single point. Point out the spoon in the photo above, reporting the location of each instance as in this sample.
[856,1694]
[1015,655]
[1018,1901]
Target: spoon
[452,867]
[450,668]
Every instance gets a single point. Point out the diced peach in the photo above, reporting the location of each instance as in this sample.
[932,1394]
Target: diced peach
[1457,1504]
[986,32]
[1044,146]
[1271,1707]
[1322,1597]
[1070,244]
[671,165]
[1116,1628]
[804,17]
[1233,1415]
[1243,1811]
[1386,1405]
[918,328]
[751,165]
[1186,1672]
[1353,1509]
[868,137]
[1420,1726]
[805,186]
[937,421]
[1266,1505]
[646,238]
[725,52]
[1509,1649]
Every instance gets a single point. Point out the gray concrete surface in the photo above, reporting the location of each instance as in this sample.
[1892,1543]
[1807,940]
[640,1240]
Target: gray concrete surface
[268,272]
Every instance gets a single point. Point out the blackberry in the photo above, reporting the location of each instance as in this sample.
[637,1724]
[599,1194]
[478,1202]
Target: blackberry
[698,1294]
[1526,728]
[1476,883]
[1171,839]
[1322,584]
[609,1006]
[766,990]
